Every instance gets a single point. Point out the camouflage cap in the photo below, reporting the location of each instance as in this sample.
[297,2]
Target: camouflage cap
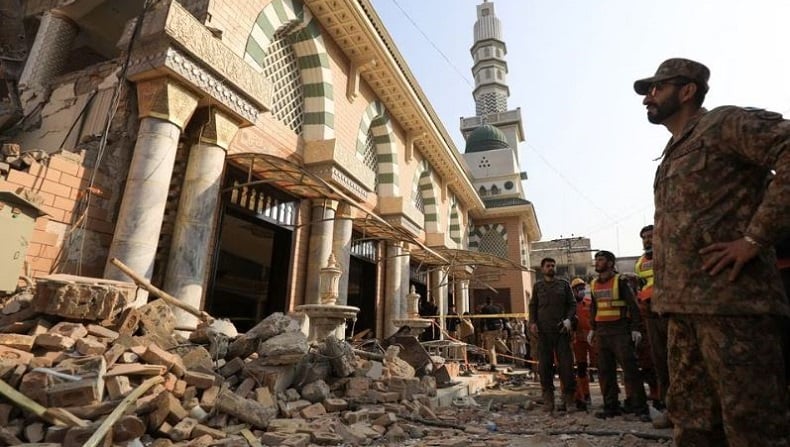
[674,68]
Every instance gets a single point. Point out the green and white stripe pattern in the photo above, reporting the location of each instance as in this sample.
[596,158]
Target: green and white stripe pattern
[376,120]
[290,18]
[455,221]
[428,193]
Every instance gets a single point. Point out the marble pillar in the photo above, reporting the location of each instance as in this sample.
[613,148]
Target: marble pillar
[341,247]
[165,107]
[393,288]
[319,246]
[50,51]
[461,294]
[196,218]
[439,278]
[404,263]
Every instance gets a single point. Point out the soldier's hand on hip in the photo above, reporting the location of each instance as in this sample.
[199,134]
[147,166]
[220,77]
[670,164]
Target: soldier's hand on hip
[533,328]
[636,337]
[720,255]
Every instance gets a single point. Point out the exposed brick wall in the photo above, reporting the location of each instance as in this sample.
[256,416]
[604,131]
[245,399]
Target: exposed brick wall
[59,185]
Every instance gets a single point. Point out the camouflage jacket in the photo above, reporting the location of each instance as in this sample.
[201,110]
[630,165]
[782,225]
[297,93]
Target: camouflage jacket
[712,186]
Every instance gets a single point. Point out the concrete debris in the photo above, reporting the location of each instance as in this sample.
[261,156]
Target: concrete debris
[73,352]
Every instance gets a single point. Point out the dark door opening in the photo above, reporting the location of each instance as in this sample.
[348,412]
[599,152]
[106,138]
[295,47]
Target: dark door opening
[362,284]
[251,272]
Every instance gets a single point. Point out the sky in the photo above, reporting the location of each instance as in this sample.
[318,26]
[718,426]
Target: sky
[589,152]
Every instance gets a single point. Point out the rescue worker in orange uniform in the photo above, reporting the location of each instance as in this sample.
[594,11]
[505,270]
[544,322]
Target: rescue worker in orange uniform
[655,324]
[614,319]
[583,353]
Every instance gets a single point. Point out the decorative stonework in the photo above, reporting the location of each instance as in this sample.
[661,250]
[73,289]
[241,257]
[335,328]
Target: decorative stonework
[217,128]
[173,42]
[352,173]
[166,99]
[334,175]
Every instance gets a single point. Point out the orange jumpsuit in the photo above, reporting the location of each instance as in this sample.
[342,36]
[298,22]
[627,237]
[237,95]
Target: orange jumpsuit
[583,353]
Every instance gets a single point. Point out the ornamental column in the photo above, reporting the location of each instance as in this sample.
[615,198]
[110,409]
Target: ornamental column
[165,107]
[319,246]
[50,51]
[461,293]
[438,281]
[393,288]
[196,218]
[341,247]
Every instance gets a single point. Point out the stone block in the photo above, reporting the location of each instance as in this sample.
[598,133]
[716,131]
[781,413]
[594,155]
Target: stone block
[71,330]
[246,387]
[264,397]
[289,425]
[209,397]
[74,394]
[313,411]
[81,297]
[101,332]
[128,322]
[232,367]
[55,342]
[283,349]
[183,429]
[167,408]
[382,397]
[291,409]
[90,346]
[352,417]
[385,420]
[246,410]
[158,356]
[34,385]
[297,440]
[14,356]
[276,378]
[118,386]
[316,391]
[157,317]
[179,388]
[34,432]
[375,370]
[334,405]
[327,438]
[17,341]
[199,380]
[203,430]
[136,369]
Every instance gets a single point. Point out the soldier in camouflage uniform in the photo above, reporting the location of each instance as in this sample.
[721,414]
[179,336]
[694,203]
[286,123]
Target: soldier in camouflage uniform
[716,219]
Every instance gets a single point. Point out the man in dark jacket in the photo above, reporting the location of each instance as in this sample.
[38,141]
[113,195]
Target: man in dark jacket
[551,311]
[492,330]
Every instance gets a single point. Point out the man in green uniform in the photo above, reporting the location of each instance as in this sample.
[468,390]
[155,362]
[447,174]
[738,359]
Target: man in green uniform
[716,221]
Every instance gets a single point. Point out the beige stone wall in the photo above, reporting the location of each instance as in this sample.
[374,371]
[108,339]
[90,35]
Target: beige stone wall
[235,19]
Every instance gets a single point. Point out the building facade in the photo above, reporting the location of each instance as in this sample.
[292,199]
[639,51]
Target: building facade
[573,255]
[223,150]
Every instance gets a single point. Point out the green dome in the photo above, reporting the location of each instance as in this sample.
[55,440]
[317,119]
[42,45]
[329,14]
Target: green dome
[486,138]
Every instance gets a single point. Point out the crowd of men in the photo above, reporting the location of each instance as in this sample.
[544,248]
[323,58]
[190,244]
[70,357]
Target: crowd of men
[708,293]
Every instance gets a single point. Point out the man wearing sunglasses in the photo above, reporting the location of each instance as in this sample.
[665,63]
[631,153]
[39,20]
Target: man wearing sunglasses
[716,220]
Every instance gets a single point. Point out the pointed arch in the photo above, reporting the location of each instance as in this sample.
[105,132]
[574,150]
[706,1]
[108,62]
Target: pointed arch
[291,20]
[455,220]
[376,121]
[429,197]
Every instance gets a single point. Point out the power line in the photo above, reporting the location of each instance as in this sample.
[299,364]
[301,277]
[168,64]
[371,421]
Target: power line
[447,59]
[568,182]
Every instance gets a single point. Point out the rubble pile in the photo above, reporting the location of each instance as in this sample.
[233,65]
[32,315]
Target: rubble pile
[79,366]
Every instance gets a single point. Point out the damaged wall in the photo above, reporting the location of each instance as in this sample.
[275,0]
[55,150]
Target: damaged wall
[58,150]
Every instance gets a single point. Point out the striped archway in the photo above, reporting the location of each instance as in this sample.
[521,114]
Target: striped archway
[290,18]
[376,120]
[428,193]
